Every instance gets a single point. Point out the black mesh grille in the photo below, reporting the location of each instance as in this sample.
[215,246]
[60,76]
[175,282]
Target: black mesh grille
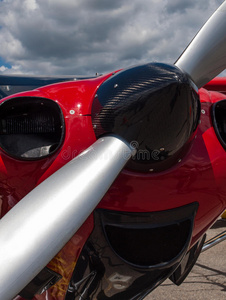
[30,127]
[28,123]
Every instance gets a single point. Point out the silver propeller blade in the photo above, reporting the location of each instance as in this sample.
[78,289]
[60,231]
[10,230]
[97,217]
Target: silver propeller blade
[35,230]
[205,57]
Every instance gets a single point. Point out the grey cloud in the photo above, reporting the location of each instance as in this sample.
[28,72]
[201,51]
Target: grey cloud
[88,36]
[103,5]
[178,6]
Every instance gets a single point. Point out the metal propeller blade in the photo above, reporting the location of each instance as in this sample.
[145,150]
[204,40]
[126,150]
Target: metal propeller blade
[205,57]
[35,230]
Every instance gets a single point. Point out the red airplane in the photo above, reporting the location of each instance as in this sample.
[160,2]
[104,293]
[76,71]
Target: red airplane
[109,184]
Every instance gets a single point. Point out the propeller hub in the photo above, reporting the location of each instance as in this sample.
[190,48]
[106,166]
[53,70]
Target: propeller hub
[155,107]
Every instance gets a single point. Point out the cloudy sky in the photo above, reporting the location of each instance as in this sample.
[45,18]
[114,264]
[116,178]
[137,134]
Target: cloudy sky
[84,37]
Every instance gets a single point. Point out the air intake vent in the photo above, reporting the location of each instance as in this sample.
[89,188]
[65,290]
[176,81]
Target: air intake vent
[149,240]
[219,121]
[30,128]
[149,244]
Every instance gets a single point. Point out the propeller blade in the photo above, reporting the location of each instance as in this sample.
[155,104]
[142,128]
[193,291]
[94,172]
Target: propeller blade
[205,56]
[35,230]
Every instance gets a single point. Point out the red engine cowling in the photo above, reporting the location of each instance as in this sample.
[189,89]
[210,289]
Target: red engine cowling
[145,224]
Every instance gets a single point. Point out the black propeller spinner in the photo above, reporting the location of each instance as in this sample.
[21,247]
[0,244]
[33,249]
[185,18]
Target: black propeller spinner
[155,107]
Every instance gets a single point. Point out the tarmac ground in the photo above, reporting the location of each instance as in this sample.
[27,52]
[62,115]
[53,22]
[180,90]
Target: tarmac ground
[207,279]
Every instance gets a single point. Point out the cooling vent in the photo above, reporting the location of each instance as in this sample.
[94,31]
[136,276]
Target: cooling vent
[149,244]
[219,121]
[149,240]
[30,128]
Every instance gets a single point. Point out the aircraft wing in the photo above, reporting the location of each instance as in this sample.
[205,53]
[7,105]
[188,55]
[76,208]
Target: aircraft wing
[11,84]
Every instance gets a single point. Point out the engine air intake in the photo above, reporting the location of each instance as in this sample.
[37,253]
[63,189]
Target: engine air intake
[30,127]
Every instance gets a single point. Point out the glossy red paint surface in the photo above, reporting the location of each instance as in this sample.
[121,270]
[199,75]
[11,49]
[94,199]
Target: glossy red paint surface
[199,176]
[217,84]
